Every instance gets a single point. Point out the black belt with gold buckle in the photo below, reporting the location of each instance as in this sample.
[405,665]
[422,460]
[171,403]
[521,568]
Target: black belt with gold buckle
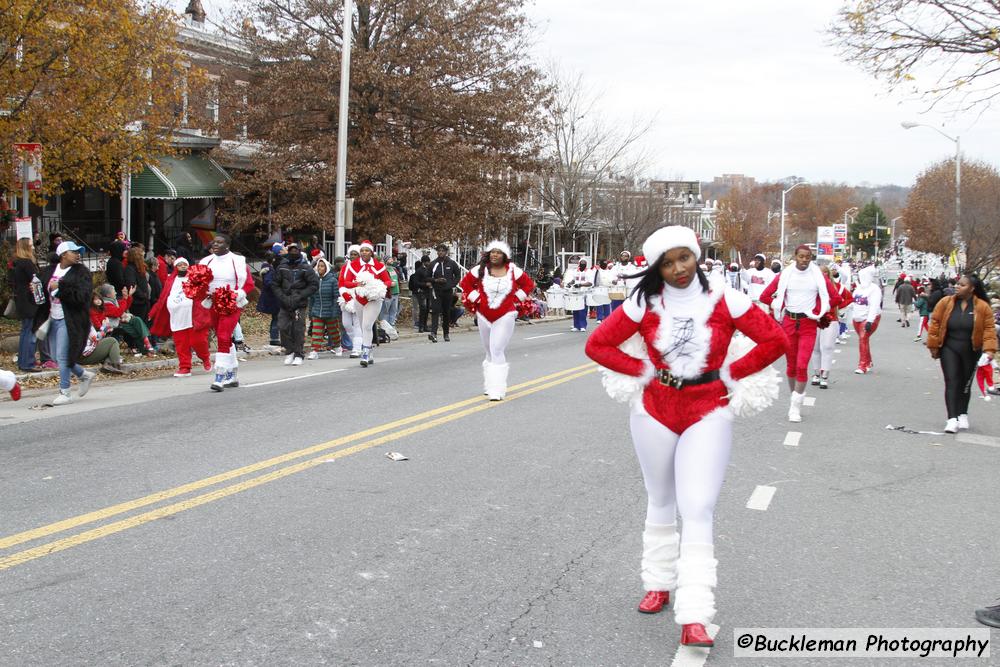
[671,380]
[796,316]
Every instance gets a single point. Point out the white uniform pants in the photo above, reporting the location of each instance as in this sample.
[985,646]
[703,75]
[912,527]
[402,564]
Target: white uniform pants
[826,342]
[7,380]
[496,336]
[683,473]
[368,318]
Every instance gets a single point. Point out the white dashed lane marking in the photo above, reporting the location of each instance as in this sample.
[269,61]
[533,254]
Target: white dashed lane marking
[299,377]
[792,439]
[544,336]
[761,497]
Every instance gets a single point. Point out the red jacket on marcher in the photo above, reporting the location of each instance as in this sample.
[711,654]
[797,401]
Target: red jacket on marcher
[495,297]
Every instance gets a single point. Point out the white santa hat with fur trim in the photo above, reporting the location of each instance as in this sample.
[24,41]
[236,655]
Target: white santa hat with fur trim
[497,244]
[668,238]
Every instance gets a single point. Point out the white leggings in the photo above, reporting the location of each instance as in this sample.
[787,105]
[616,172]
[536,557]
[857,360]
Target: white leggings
[7,380]
[368,318]
[683,473]
[826,341]
[496,335]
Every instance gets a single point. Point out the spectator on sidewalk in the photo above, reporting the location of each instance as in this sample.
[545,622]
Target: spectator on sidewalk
[114,269]
[390,306]
[445,274]
[27,292]
[65,312]
[294,283]
[155,285]
[165,265]
[324,312]
[136,279]
[420,282]
[905,294]
[114,313]
[267,303]
[101,347]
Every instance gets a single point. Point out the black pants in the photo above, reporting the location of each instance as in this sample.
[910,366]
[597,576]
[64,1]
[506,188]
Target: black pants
[441,310]
[292,326]
[958,367]
[421,305]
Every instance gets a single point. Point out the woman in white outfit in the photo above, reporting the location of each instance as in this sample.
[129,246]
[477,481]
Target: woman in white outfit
[363,284]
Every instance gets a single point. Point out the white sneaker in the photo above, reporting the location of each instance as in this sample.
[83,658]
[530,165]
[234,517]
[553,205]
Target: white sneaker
[312,356]
[62,399]
[987,398]
[963,422]
[289,359]
[355,354]
[85,380]
[178,374]
[297,361]
[339,352]
[951,426]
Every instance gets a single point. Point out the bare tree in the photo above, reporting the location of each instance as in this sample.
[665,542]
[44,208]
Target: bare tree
[585,150]
[937,48]
[632,209]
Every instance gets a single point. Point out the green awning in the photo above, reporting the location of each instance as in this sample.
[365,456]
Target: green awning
[186,177]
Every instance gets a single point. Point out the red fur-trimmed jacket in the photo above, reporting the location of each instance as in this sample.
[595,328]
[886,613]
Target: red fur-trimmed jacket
[500,295]
[348,278]
[834,300]
[723,312]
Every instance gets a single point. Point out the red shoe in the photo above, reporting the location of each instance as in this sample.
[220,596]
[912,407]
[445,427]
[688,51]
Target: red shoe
[654,602]
[693,634]
[15,393]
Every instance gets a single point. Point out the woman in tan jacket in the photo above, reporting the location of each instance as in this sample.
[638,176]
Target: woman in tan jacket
[961,330]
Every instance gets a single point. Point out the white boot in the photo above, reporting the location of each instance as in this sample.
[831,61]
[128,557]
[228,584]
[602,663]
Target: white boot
[696,581]
[795,407]
[496,381]
[486,390]
[660,548]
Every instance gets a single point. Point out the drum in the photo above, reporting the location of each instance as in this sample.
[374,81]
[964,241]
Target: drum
[575,300]
[599,297]
[617,293]
[555,298]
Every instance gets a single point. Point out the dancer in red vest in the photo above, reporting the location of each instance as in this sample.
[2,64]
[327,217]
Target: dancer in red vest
[493,290]
[800,296]
[230,273]
[364,282]
[666,350]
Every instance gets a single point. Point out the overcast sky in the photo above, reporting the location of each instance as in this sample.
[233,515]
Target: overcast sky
[740,86]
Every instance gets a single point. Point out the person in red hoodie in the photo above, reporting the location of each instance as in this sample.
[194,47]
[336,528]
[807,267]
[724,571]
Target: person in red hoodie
[800,296]
[165,265]
[667,351]
[174,314]
[493,291]
[364,282]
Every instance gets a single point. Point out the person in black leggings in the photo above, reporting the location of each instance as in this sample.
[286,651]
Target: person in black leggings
[958,353]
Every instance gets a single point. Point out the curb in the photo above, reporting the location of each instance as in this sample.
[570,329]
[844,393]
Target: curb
[252,354]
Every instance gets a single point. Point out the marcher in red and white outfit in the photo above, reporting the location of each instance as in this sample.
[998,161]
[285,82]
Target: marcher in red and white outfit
[229,270]
[666,350]
[800,296]
[493,290]
[757,277]
[829,331]
[176,315]
[867,314]
[364,282]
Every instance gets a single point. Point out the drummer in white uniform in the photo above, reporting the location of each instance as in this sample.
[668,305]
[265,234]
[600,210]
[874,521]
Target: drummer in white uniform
[579,282]
[620,283]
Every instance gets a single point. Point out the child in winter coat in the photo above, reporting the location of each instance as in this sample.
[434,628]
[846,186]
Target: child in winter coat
[324,311]
[107,310]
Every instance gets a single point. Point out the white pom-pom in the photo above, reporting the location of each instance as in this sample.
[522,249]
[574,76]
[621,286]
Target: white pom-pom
[626,388]
[753,393]
[347,306]
[369,287]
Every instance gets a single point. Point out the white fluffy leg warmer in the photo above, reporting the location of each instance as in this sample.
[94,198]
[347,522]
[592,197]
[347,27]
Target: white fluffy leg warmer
[496,381]
[659,557]
[696,581]
[7,380]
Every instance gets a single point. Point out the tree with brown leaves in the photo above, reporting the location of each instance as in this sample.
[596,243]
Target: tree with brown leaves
[929,216]
[744,223]
[444,110]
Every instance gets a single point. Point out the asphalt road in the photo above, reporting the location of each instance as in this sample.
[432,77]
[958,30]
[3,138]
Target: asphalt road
[157,523]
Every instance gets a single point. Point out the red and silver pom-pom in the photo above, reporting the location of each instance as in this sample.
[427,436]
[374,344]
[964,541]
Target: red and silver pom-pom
[196,286]
[224,300]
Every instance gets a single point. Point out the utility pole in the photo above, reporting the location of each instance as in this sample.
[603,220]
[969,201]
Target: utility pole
[342,121]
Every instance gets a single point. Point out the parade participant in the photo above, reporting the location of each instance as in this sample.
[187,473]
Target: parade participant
[867,313]
[363,285]
[800,296]
[580,278]
[623,271]
[229,273]
[603,277]
[66,314]
[844,291]
[493,290]
[775,267]
[8,383]
[758,277]
[350,318]
[984,376]
[829,332]
[920,305]
[734,277]
[961,330]
[684,393]
[175,314]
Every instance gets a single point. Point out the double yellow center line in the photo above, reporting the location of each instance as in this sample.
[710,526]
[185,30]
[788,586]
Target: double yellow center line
[413,424]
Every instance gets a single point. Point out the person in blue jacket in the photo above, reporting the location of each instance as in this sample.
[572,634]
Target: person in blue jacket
[268,303]
[324,312]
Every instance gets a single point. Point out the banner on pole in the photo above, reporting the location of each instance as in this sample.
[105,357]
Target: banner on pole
[23,226]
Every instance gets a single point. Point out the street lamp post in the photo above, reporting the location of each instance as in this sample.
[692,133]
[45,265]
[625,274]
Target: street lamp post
[783,193]
[342,120]
[957,234]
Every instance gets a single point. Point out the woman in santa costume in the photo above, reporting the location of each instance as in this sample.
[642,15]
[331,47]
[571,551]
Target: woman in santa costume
[666,349]
[364,282]
[351,320]
[800,296]
[829,331]
[227,295]
[493,290]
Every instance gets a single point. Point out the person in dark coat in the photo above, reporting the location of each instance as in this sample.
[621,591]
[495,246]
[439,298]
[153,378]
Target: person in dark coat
[294,283]
[268,303]
[420,294]
[114,270]
[68,290]
[135,276]
[445,274]
[23,273]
